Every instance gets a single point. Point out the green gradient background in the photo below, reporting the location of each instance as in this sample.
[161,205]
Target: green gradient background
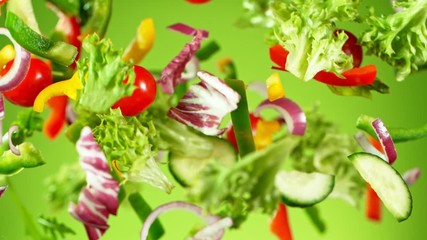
[405,106]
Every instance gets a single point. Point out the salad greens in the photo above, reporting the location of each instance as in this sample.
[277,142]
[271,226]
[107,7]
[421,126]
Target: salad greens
[400,39]
[306,30]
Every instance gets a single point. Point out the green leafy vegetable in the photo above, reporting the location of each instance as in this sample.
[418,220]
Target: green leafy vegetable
[362,91]
[102,72]
[246,186]
[400,38]
[64,187]
[51,226]
[323,149]
[129,142]
[256,14]
[306,30]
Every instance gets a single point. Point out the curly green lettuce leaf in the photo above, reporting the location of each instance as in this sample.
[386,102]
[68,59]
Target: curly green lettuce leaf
[256,14]
[129,142]
[64,186]
[102,72]
[400,39]
[306,30]
[324,149]
[361,91]
[246,186]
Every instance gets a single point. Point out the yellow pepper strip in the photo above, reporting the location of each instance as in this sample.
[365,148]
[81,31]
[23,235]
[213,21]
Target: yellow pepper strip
[68,87]
[114,164]
[7,54]
[274,87]
[222,64]
[265,131]
[142,43]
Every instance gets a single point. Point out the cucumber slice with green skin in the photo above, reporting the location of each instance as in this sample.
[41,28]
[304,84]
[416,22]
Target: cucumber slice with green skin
[387,183]
[186,169]
[301,189]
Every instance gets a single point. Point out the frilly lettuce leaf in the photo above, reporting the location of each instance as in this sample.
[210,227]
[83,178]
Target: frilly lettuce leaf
[102,71]
[246,186]
[324,149]
[130,142]
[306,30]
[400,39]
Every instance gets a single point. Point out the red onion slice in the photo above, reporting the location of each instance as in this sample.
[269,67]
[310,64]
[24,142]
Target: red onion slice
[367,146]
[295,118]
[411,176]
[213,229]
[385,140]
[209,219]
[12,147]
[187,30]
[2,190]
[19,68]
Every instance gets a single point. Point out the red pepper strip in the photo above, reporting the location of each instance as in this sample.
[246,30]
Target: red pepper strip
[56,120]
[279,55]
[373,202]
[280,224]
[354,77]
[373,205]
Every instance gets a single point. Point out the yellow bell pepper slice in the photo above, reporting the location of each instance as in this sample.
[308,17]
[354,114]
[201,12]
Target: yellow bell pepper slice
[142,43]
[265,131]
[68,87]
[7,54]
[274,87]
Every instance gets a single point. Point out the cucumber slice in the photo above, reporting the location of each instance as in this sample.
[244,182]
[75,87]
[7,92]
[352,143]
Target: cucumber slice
[387,183]
[186,169]
[301,189]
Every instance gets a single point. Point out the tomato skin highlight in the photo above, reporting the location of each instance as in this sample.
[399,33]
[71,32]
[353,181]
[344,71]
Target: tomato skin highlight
[198,1]
[39,76]
[142,96]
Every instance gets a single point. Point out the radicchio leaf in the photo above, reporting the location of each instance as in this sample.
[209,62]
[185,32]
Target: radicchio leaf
[99,198]
[205,104]
[411,176]
[172,74]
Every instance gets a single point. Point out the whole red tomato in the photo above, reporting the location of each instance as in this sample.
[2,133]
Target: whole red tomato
[39,76]
[143,95]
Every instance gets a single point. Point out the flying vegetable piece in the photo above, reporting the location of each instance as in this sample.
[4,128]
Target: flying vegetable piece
[399,38]
[29,157]
[99,198]
[205,104]
[2,190]
[306,30]
[280,223]
[96,18]
[172,74]
[142,43]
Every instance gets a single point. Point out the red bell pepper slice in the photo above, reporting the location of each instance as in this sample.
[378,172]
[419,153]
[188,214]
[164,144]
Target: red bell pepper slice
[354,77]
[280,224]
[56,120]
[373,205]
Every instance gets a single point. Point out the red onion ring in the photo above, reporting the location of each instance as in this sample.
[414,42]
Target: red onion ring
[187,30]
[209,219]
[259,87]
[214,228]
[2,190]
[19,68]
[385,140]
[367,146]
[12,147]
[411,176]
[295,118]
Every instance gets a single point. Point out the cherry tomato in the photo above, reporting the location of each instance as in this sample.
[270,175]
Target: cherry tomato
[142,97]
[351,47]
[197,1]
[231,137]
[38,77]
